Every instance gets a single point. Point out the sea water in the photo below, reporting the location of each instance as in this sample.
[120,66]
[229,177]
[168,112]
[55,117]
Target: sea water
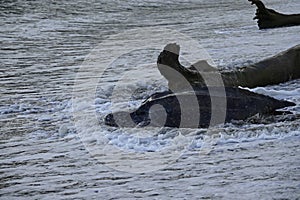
[43,152]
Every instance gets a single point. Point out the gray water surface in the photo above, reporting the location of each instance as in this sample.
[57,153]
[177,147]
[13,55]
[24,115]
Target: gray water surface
[43,45]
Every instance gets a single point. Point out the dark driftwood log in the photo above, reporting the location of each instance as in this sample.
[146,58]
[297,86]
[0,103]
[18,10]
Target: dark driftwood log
[268,18]
[280,68]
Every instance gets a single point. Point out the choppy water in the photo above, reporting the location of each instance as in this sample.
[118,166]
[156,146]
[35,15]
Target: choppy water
[43,45]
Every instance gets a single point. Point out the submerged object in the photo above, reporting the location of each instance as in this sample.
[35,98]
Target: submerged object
[164,109]
[268,18]
[191,105]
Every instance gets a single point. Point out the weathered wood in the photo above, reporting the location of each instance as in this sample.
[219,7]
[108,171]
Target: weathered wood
[268,18]
[280,68]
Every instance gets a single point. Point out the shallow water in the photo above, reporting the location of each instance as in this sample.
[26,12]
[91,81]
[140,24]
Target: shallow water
[43,154]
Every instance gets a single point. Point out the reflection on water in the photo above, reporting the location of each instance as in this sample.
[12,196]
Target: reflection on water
[42,47]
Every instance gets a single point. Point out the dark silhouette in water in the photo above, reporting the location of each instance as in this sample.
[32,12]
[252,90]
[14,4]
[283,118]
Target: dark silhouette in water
[241,104]
[165,108]
[280,68]
[268,18]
